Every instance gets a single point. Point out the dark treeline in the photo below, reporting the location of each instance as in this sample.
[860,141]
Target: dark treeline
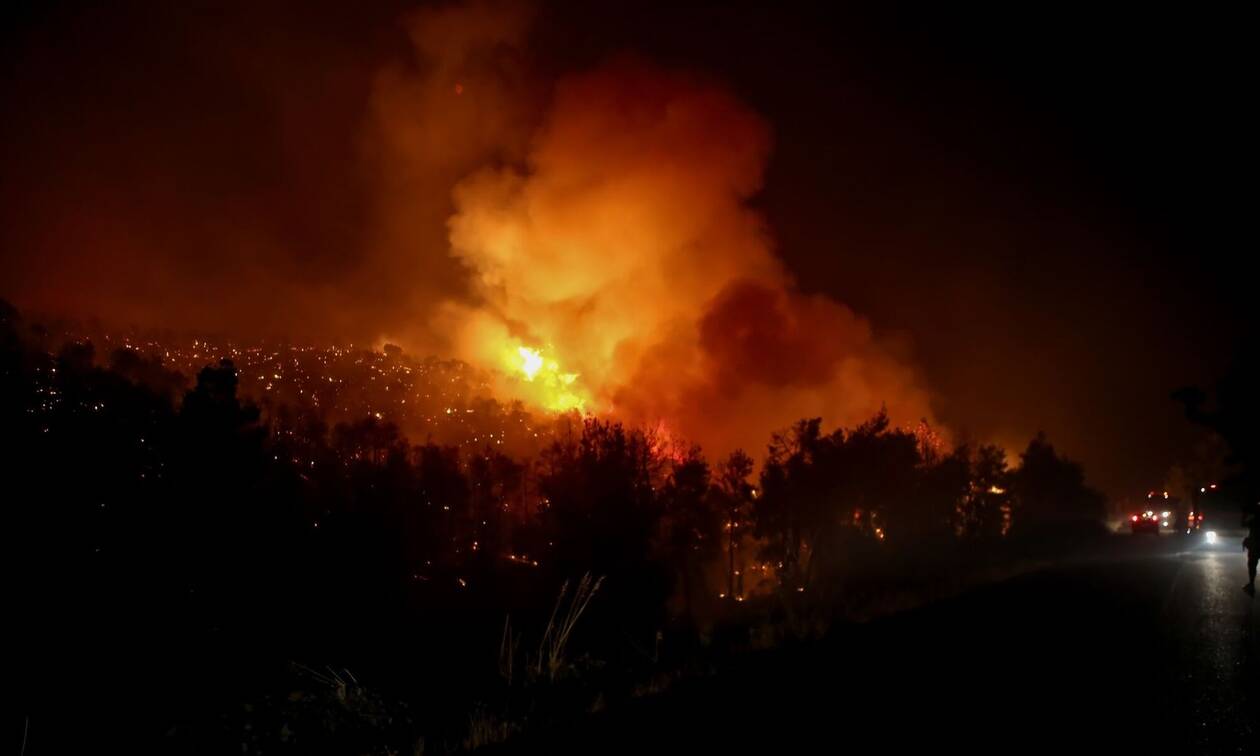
[1231,411]
[175,549]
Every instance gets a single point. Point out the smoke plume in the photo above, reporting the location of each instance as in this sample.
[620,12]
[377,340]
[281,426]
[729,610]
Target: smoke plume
[619,267]
[589,236]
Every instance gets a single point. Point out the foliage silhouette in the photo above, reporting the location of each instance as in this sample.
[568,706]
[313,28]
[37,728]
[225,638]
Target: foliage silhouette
[178,546]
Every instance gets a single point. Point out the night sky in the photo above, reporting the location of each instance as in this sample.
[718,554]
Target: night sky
[1039,208]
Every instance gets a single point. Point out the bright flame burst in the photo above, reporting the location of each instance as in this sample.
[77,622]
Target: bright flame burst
[531,362]
[551,388]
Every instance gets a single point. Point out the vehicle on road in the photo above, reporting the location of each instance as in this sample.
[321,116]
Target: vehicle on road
[1148,522]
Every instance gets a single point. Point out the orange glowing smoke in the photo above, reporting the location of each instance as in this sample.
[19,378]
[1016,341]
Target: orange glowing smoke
[617,268]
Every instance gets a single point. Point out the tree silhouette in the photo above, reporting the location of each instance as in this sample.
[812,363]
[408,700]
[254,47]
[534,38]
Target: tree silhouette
[443,502]
[987,508]
[601,511]
[1232,412]
[496,499]
[690,524]
[944,486]
[879,467]
[794,484]
[734,496]
[1050,490]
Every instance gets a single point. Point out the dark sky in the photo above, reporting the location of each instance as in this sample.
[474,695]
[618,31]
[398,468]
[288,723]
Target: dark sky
[1041,203]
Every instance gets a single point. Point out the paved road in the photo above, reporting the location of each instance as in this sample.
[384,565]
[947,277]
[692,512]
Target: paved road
[1150,649]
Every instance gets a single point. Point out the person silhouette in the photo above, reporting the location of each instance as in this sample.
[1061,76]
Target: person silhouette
[1251,521]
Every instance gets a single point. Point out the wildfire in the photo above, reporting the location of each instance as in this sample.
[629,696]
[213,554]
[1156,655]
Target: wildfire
[548,386]
[618,266]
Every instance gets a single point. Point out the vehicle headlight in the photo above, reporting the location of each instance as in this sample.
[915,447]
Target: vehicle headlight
[1211,537]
